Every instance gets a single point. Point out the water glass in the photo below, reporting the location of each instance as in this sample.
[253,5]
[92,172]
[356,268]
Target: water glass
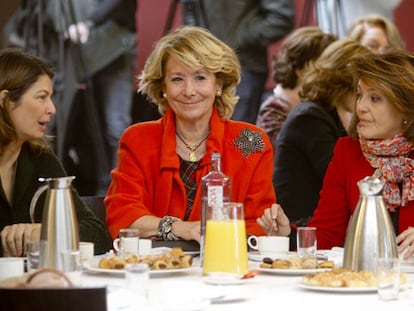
[71,265]
[307,243]
[388,278]
[32,251]
[137,281]
[127,243]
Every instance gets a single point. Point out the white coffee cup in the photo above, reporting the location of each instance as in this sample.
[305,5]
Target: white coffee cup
[11,267]
[86,250]
[269,245]
[127,243]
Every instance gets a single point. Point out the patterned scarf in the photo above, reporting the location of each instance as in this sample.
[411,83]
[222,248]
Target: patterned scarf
[390,158]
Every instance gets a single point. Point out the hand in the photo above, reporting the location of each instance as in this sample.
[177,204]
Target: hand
[405,242]
[13,238]
[78,32]
[187,230]
[282,221]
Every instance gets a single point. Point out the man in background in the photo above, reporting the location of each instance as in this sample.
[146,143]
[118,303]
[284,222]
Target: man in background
[250,26]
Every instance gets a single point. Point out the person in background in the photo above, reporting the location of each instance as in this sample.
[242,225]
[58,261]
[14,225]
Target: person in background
[26,109]
[380,144]
[156,187]
[249,27]
[306,141]
[112,84]
[336,16]
[301,47]
[376,33]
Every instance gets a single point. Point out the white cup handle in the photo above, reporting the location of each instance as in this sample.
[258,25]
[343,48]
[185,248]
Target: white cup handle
[249,242]
[115,244]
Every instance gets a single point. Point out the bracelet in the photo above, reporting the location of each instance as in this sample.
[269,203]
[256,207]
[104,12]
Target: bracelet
[165,228]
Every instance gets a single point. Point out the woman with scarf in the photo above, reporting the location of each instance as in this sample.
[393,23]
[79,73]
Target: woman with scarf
[380,143]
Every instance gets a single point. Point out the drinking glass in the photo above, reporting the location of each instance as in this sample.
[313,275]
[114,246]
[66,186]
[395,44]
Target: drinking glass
[307,244]
[388,278]
[71,265]
[137,281]
[225,249]
[127,243]
[32,251]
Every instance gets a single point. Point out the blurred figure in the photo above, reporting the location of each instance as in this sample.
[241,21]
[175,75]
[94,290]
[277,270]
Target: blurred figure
[249,27]
[26,110]
[93,46]
[376,33]
[301,47]
[156,187]
[306,141]
[380,144]
[336,16]
[112,84]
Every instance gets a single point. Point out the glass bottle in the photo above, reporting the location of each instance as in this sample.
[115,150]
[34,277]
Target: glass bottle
[216,189]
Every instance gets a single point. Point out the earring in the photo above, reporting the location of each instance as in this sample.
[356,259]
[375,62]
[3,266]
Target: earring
[164,95]
[405,122]
[218,93]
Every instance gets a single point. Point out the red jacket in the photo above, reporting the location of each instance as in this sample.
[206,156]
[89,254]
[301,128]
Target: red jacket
[339,195]
[147,180]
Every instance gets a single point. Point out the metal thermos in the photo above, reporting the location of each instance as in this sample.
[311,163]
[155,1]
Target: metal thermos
[59,221]
[370,233]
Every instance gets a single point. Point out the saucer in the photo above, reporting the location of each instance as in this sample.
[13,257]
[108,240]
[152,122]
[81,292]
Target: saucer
[256,256]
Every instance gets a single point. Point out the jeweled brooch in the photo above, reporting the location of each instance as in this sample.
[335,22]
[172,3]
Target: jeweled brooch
[249,142]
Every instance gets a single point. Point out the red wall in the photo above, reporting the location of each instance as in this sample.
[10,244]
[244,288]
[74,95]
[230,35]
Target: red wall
[152,17]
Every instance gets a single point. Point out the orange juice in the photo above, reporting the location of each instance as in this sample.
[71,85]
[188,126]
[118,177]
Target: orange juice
[225,247]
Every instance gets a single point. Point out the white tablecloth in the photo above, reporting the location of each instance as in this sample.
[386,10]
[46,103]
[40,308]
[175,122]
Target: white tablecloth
[264,292]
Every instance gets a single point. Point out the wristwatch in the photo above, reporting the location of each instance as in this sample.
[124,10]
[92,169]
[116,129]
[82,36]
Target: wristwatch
[165,228]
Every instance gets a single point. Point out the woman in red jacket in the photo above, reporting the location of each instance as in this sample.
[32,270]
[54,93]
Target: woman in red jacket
[381,144]
[192,76]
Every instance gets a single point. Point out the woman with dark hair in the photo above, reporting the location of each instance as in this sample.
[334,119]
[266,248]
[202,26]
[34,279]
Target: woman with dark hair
[26,109]
[302,47]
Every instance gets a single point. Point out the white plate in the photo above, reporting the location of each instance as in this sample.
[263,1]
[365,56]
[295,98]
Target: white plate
[256,256]
[403,287]
[292,271]
[340,289]
[92,265]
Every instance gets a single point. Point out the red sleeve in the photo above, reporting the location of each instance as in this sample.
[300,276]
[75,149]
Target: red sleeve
[333,211]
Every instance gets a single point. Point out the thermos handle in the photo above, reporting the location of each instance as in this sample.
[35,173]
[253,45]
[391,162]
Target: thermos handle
[34,201]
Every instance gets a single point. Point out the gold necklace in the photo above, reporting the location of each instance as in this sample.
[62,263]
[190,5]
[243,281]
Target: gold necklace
[192,156]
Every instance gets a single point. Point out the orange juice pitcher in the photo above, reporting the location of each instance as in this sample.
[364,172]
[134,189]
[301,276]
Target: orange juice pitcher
[225,249]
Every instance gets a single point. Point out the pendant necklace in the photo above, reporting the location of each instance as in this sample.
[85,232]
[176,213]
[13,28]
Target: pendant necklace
[192,156]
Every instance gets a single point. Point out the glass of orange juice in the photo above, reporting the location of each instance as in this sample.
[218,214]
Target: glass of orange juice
[225,250]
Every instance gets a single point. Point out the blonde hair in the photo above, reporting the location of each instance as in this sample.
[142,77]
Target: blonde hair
[194,47]
[357,29]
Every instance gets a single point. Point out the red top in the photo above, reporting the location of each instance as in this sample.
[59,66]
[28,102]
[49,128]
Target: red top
[340,193]
[147,180]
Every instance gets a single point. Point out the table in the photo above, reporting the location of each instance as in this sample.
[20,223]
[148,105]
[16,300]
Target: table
[264,292]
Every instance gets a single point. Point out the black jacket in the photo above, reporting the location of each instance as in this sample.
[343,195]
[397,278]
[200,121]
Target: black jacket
[303,151]
[30,166]
[250,26]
